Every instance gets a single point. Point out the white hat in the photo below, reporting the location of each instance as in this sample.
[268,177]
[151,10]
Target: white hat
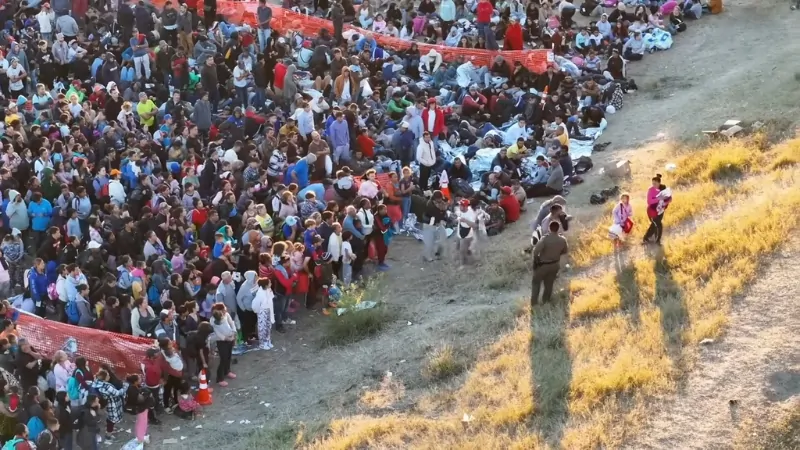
[404,124]
[497,169]
[92,245]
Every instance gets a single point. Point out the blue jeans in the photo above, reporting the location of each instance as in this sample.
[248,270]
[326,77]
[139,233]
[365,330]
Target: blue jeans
[280,303]
[405,206]
[241,95]
[263,35]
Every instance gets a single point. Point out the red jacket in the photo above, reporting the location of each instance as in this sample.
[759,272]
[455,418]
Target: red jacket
[285,282]
[280,73]
[513,39]
[470,105]
[366,145]
[152,369]
[484,12]
[438,122]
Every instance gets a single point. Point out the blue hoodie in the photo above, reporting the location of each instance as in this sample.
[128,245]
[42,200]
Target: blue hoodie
[40,214]
[37,283]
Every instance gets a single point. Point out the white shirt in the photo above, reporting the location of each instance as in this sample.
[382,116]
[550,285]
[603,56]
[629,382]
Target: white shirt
[426,154]
[347,252]
[15,72]
[46,20]
[431,120]
[346,90]
[465,231]
[335,246]
[367,221]
[237,72]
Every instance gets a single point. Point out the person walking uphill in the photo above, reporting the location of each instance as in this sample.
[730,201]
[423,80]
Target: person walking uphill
[546,258]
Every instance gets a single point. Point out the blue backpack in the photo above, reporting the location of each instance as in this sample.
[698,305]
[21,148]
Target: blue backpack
[74,390]
[73,315]
[35,428]
[153,296]
[12,444]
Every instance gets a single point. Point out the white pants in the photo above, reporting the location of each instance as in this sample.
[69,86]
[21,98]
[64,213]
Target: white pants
[328,165]
[138,62]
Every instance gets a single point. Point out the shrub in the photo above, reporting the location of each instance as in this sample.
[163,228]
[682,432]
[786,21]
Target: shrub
[354,326]
[443,363]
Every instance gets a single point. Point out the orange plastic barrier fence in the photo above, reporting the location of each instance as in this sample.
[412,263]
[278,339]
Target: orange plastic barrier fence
[120,351]
[287,20]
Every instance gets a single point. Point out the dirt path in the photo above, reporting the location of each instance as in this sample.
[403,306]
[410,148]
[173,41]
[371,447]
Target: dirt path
[732,65]
[725,66]
[756,364]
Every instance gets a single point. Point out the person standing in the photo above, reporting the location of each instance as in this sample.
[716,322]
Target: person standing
[546,258]
[225,334]
[208,77]
[467,224]
[141,59]
[185,30]
[209,13]
[658,199]
[264,13]
[433,232]
[426,157]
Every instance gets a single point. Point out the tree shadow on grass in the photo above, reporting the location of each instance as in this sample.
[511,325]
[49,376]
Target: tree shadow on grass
[551,366]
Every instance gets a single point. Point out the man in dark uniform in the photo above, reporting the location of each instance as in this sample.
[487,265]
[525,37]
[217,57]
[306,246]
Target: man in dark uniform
[546,258]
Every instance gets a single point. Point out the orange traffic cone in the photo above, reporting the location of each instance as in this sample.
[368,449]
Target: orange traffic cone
[203,395]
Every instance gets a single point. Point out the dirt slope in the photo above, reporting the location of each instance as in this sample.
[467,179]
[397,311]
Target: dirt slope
[755,365]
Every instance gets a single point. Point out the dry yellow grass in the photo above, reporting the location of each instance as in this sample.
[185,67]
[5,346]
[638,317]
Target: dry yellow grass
[580,376]
[705,181]
[783,433]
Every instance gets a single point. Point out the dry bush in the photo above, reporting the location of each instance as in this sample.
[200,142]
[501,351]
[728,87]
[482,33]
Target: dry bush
[354,326]
[389,392]
[788,155]
[506,274]
[443,363]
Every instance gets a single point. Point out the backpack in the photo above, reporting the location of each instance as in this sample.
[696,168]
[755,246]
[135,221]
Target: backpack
[35,427]
[74,389]
[12,444]
[73,315]
[104,191]
[153,296]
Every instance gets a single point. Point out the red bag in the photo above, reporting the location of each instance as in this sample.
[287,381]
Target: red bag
[627,226]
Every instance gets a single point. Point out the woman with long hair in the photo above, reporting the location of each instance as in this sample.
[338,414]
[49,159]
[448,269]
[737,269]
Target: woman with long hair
[225,333]
[265,312]
[659,197]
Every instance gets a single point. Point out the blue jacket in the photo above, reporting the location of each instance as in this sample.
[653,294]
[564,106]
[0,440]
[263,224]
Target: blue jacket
[40,214]
[349,225]
[37,282]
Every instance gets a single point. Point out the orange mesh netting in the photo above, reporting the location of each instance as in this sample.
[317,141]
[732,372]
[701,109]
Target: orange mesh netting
[285,20]
[120,351]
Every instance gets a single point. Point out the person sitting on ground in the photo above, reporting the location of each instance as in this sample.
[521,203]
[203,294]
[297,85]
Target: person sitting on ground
[554,184]
[509,203]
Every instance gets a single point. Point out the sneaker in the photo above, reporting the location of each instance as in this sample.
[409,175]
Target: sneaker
[146,438]
[383,267]
[289,322]
[223,383]
[231,375]
[265,347]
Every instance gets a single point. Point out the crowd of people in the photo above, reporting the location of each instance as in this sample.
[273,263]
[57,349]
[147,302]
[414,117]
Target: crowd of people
[167,174]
